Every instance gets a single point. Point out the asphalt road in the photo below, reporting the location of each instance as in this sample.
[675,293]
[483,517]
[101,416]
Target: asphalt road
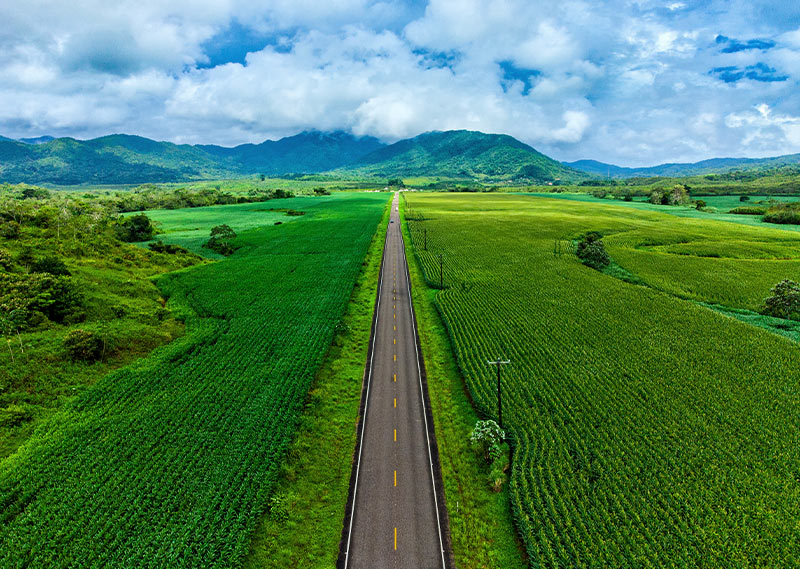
[395,520]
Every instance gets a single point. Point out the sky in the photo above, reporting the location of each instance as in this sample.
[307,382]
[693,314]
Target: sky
[630,82]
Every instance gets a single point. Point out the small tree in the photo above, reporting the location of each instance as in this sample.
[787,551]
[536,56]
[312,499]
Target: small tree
[487,438]
[699,204]
[744,198]
[592,252]
[82,345]
[784,301]
[135,228]
[221,239]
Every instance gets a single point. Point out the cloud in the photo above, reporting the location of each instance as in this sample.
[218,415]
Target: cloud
[621,81]
[733,46]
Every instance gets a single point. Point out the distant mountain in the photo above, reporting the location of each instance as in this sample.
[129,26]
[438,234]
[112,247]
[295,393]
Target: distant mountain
[677,170]
[126,159]
[462,154]
[303,153]
[37,140]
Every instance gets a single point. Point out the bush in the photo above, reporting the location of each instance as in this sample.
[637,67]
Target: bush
[135,228]
[82,345]
[787,213]
[592,252]
[282,194]
[487,438]
[221,240]
[161,247]
[600,193]
[321,192]
[51,265]
[749,210]
[9,230]
[744,198]
[699,204]
[784,301]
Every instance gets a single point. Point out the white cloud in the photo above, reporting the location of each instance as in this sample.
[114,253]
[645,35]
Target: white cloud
[619,81]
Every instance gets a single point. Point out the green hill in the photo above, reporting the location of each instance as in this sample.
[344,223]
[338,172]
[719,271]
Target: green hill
[676,170]
[463,154]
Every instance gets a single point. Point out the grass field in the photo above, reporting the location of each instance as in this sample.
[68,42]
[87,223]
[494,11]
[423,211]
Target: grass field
[171,461]
[649,431]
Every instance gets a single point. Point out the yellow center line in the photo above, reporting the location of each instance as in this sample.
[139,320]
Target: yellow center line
[395,316]
[395,435]
[395,357]
[395,402]
[395,539]
[395,377]
[395,340]
[395,478]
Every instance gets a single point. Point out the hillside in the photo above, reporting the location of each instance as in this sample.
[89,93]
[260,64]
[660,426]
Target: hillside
[462,154]
[303,153]
[711,166]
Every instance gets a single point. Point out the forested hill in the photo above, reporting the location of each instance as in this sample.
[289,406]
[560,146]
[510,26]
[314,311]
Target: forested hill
[464,154]
[676,170]
[125,159]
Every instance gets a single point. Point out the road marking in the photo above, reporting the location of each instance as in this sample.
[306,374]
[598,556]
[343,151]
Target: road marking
[395,327]
[395,435]
[395,478]
[395,402]
[395,539]
[395,316]
[395,357]
[395,341]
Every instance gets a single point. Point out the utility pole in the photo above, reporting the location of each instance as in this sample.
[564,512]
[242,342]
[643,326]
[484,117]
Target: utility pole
[499,363]
[441,271]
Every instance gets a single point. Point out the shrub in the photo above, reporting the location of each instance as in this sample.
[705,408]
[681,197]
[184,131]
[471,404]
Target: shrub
[487,438]
[787,213]
[135,228]
[784,301]
[699,204]
[161,247]
[322,192]
[749,210]
[82,345]
[592,252]
[9,230]
[744,198]
[599,193]
[51,265]
[281,194]
[221,239]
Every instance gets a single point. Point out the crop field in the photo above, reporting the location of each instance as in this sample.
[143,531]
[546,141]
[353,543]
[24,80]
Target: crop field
[170,462]
[190,227]
[649,431]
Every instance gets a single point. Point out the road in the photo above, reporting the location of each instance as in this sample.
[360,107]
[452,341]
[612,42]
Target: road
[396,517]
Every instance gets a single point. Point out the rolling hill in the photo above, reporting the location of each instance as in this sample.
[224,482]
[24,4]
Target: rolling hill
[462,154]
[712,166]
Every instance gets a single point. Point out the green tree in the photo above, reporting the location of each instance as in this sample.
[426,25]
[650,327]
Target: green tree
[784,300]
[487,439]
[135,228]
[221,239]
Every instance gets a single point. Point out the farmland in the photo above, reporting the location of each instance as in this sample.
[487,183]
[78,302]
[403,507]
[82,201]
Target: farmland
[648,430]
[169,462]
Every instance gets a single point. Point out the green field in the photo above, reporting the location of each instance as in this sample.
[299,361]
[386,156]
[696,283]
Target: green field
[170,461]
[649,431]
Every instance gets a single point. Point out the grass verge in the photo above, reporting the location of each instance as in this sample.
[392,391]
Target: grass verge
[481,524]
[304,523]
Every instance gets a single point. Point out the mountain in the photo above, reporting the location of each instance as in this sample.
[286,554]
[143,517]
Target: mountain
[462,154]
[677,170]
[126,159]
[303,153]
[37,140]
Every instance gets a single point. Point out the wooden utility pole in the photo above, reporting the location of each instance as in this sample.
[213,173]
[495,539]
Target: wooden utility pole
[499,363]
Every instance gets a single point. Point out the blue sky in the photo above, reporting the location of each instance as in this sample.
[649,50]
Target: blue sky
[629,82]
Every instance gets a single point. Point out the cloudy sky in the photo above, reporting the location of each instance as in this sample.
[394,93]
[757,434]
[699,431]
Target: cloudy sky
[630,82]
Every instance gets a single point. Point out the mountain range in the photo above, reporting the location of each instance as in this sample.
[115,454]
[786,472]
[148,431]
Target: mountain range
[456,154]
[126,159]
[678,170]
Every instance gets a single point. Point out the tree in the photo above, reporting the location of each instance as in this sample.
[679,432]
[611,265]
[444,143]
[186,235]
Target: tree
[221,239]
[135,228]
[784,301]
[51,265]
[592,252]
[744,198]
[699,204]
[83,345]
[487,438]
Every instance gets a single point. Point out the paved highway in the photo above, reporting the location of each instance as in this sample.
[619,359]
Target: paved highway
[396,521]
